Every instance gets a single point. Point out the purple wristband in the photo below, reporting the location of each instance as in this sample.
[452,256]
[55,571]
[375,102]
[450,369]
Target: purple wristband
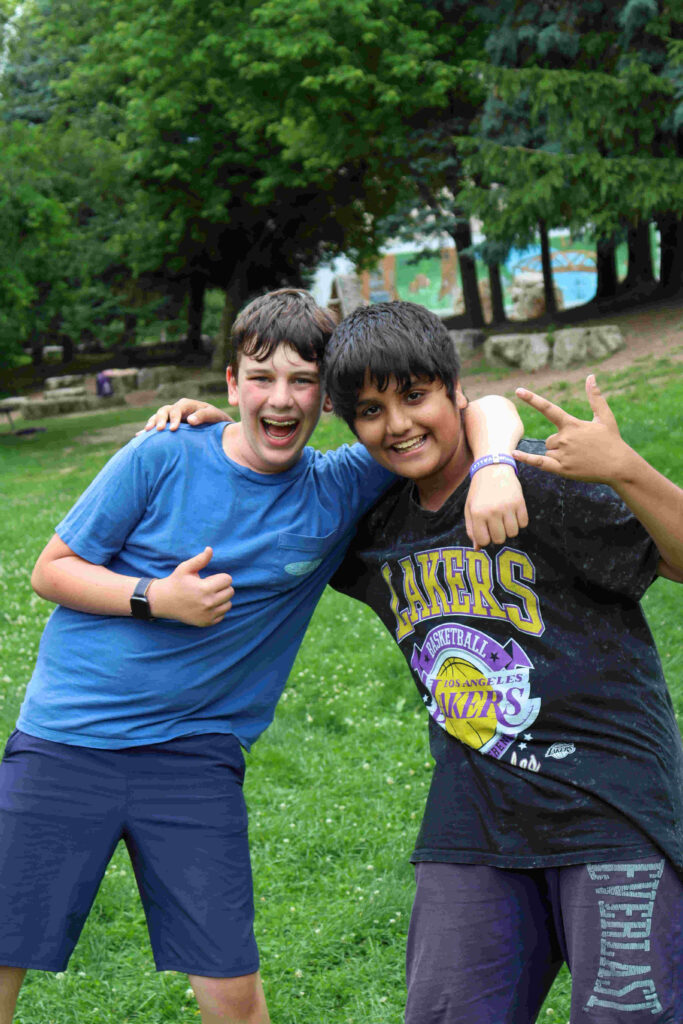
[492,460]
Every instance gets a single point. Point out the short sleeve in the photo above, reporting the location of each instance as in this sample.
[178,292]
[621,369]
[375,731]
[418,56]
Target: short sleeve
[97,526]
[349,577]
[352,473]
[605,542]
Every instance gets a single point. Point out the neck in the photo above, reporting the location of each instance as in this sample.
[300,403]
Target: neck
[435,490]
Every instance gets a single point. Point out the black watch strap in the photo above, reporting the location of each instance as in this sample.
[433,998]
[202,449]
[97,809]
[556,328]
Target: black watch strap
[139,605]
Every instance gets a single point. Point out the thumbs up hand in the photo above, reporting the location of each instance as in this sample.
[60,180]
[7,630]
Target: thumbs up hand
[188,597]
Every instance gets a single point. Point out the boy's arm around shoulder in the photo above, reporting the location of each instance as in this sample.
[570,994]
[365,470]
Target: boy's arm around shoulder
[63,577]
[594,451]
[495,508]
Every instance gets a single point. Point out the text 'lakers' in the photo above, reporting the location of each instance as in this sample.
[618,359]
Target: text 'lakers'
[459,581]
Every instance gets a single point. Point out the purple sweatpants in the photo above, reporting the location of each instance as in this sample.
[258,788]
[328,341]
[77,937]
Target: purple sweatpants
[485,943]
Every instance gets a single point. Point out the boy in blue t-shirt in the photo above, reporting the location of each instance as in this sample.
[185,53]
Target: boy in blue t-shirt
[146,690]
[553,829]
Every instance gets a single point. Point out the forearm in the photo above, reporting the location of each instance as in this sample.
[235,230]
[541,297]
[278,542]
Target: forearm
[495,508]
[656,501]
[83,586]
[492,425]
[62,576]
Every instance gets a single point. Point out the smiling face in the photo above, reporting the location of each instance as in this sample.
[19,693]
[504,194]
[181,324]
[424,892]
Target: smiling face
[417,433]
[280,400]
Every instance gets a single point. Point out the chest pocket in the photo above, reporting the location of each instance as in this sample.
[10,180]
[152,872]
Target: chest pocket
[296,557]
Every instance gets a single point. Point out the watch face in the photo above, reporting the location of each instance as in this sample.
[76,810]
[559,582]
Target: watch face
[139,606]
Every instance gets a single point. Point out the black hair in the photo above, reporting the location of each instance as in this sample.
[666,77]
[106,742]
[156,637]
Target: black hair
[288,316]
[390,341]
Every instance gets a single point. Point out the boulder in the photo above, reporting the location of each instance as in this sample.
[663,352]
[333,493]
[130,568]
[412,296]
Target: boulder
[535,353]
[570,347]
[468,340]
[604,340]
[504,349]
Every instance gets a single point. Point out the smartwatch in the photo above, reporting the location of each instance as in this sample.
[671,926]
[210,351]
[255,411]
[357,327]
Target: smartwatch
[139,605]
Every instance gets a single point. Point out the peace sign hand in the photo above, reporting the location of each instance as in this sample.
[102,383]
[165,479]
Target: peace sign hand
[589,450]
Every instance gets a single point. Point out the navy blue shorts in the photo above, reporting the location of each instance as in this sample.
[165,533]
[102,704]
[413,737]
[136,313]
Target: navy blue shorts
[179,808]
[485,943]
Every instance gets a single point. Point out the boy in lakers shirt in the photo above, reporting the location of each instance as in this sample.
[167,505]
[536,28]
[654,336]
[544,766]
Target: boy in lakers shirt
[553,829]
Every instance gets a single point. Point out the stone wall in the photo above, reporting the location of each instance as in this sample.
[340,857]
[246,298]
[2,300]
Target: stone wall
[557,349]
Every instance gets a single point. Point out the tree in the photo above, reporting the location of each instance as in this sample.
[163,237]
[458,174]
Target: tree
[36,236]
[598,82]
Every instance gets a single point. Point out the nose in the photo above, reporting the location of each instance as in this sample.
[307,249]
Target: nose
[398,420]
[281,395]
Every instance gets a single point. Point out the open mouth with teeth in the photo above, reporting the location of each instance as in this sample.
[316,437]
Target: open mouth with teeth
[279,430]
[413,444]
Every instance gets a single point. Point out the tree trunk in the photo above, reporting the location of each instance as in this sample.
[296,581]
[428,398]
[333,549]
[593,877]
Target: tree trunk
[606,261]
[130,326]
[235,297]
[37,352]
[497,301]
[671,254]
[195,313]
[462,236]
[640,272]
[67,344]
[546,265]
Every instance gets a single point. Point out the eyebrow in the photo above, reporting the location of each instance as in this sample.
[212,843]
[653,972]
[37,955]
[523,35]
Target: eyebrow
[360,402]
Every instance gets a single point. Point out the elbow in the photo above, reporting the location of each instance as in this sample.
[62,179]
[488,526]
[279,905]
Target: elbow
[40,583]
[670,572]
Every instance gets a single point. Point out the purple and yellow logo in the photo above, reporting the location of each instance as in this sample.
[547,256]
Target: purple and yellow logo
[477,689]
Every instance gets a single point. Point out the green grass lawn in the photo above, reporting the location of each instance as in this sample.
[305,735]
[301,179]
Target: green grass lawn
[335,787]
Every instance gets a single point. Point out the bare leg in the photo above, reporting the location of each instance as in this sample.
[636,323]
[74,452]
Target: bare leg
[230,1000]
[10,983]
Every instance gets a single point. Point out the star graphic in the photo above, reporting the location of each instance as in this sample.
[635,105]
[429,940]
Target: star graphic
[522,746]
[494,657]
[528,736]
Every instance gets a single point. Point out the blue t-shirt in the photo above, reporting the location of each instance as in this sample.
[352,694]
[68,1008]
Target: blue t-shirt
[110,681]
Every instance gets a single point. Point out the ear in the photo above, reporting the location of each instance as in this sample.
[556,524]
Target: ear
[461,400]
[327,404]
[233,387]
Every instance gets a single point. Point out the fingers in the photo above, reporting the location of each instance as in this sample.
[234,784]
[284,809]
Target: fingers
[203,415]
[597,402]
[157,420]
[544,462]
[551,412]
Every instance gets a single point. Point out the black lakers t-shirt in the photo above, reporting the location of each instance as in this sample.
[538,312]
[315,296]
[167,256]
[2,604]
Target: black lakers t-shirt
[551,725]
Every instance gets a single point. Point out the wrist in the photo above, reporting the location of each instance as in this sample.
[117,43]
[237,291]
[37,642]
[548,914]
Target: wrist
[140,607]
[497,459]
[625,467]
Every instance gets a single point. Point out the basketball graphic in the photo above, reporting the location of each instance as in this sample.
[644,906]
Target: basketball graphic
[467,700]
[476,689]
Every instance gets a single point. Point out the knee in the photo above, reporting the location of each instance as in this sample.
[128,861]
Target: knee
[231,1000]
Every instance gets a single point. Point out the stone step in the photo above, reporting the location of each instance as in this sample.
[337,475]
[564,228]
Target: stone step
[72,380]
[39,408]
